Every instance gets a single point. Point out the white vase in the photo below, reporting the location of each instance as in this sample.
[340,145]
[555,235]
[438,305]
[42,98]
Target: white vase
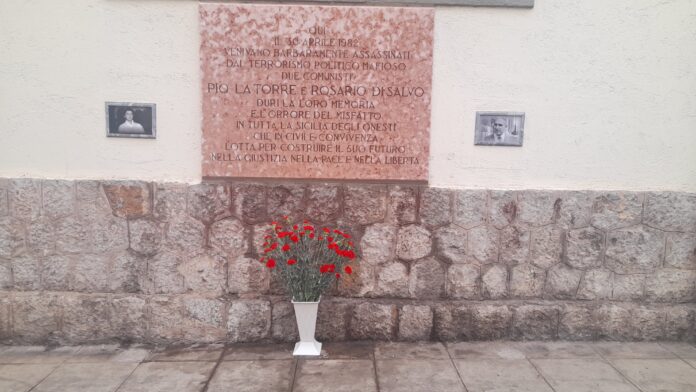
[306,316]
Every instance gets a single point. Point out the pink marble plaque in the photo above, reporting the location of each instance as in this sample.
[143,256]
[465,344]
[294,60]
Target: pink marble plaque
[317,92]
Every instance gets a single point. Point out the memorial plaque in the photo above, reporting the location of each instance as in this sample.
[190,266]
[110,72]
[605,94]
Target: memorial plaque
[318,92]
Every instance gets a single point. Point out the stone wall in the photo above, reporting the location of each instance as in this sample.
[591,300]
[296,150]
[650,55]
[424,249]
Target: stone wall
[90,261]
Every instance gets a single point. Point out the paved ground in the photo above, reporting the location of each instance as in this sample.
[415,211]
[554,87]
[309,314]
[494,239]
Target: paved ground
[357,366]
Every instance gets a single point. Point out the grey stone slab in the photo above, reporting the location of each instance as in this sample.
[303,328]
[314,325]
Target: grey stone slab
[632,350]
[86,377]
[680,349]
[557,350]
[416,375]
[108,353]
[36,354]
[253,351]
[501,375]
[419,350]
[582,375]
[485,350]
[23,377]
[340,375]
[658,375]
[346,350]
[192,353]
[168,376]
[253,376]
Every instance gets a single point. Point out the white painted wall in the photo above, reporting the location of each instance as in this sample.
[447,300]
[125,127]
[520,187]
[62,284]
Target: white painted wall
[609,88]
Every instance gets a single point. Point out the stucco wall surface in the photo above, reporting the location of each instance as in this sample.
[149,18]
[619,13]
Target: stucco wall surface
[609,89]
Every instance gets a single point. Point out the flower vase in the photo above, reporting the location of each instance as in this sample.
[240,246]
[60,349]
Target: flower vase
[306,316]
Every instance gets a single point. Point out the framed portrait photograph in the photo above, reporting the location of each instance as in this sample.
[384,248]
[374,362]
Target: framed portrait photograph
[129,119]
[499,129]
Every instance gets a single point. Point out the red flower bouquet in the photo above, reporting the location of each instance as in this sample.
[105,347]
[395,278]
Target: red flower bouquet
[307,259]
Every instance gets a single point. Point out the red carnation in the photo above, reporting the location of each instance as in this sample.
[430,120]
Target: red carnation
[348,270]
[309,228]
[285,248]
[295,227]
[338,276]
[311,235]
[330,239]
[292,261]
[326,230]
[295,238]
[270,263]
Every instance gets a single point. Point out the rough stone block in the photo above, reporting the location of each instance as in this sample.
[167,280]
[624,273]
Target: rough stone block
[86,318]
[615,210]
[681,251]
[283,323]
[413,242]
[392,281]
[427,279]
[436,207]
[24,199]
[483,244]
[469,208]
[163,276]
[129,199]
[247,275]
[206,273]
[378,244]
[535,322]
[250,203]
[514,245]
[671,211]
[576,322]
[671,285]
[129,321]
[41,236]
[106,233]
[503,208]
[249,320]
[26,272]
[584,248]
[35,317]
[538,208]
[333,319]
[443,323]
[629,287]
[4,203]
[5,275]
[118,272]
[229,236]
[415,322]
[323,203]
[209,202]
[71,236]
[11,237]
[596,285]
[365,204]
[58,198]
[450,243]
[527,281]
[5,322]
[185,319]
[494,282]
[463,281]
[285,200]
[575,209]
[91,200]
[634,250]
[648,323]
[169,201]
[372,321]
[562,282]
[186,235]
[145,235]
[679,322]
[614,322]
[402,205]
[491,322]
[56,272]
